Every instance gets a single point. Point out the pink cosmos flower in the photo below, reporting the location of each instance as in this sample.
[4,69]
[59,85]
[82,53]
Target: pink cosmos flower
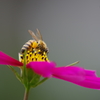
[74,74]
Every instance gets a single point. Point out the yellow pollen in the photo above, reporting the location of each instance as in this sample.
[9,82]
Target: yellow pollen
[35,44]
[33,55]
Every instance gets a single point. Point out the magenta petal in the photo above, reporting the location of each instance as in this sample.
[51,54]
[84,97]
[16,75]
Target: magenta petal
[71,73]
[42,68]
[90,73]
[77,75]
[7,60]
[90,82]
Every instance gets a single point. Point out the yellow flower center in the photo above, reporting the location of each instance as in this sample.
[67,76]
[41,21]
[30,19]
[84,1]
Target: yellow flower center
[33,55]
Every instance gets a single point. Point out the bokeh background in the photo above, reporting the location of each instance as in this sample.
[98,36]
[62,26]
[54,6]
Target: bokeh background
[71,29]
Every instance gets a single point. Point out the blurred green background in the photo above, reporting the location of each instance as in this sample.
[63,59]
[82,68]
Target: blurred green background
[71,29]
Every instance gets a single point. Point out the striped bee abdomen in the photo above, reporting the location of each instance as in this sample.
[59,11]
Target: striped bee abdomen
[27,46]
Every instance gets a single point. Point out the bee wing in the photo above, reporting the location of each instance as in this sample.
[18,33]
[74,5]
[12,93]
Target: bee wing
[33,35]
[38,34]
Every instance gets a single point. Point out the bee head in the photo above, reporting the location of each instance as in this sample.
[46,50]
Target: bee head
[42,46]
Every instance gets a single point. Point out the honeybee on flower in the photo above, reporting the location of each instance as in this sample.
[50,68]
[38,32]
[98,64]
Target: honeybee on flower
[36,50]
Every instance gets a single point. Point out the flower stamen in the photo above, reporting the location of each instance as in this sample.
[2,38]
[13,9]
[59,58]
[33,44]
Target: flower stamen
[34,55]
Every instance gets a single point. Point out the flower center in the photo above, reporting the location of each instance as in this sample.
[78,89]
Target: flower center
[33,55]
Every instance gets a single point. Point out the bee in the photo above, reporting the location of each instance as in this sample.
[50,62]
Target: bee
[35,45]
[34,50]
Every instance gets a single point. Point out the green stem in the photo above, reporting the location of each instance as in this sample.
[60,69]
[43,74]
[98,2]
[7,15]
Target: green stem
[26,94]
[73,63]
[16,73]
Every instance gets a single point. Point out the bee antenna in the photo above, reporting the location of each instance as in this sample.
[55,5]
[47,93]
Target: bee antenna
[39,34]
[33,35]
